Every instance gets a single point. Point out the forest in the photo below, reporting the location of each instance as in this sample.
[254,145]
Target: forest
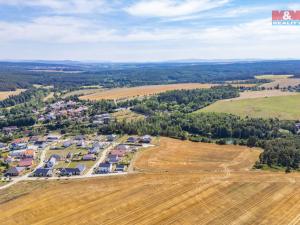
[68,75]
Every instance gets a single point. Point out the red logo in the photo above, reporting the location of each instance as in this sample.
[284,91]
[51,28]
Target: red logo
[285,15]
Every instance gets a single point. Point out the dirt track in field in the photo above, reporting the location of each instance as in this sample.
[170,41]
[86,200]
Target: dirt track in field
[127,93]
[230,194]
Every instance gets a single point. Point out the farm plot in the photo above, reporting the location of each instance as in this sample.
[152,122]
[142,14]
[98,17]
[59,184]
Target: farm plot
[82,92]
[273,77]
[282,83]
[181,197]
[127,93]
[282,107]
[6,94]
[261,94]
[183,156]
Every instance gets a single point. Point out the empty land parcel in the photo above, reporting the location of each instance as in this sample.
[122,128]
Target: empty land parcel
[231,195]
[127,93]
[282,107]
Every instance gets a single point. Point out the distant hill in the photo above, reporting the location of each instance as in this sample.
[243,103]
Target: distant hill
[70,74]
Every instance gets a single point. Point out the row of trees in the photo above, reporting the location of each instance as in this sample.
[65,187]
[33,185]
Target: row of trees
[280,148]
[33,94]
[185,101]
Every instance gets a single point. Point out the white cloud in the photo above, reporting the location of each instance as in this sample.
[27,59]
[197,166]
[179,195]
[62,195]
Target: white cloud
[171,8]
[62,6]
[70,30]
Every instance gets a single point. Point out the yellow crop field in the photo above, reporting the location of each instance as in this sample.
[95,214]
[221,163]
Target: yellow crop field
[127,93]
[176,182]
[6,94]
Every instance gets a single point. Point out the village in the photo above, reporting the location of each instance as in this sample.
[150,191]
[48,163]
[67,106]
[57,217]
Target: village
[57,155]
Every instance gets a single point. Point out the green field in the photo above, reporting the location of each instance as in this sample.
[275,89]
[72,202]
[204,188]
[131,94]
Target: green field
[282,107]
[272,77]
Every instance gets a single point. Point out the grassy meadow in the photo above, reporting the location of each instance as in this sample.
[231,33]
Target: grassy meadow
[273,77]
[282,107]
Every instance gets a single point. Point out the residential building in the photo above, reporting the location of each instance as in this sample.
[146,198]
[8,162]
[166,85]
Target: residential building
[27,162]
[15,171]
[104,168]
[43,172]
[120,168]
[89,157]
[80,168]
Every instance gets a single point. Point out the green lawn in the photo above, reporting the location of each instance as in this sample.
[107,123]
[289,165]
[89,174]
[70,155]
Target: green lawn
[282,107]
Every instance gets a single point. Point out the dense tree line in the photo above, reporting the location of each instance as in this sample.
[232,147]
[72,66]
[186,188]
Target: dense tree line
[33,94]
[185,101]
[24,75]
[213,127]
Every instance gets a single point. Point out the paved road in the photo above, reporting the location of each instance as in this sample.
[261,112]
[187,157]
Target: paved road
[26,176]
[101,159]
[89,174]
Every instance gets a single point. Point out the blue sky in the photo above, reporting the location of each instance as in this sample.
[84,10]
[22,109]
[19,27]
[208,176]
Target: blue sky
[145,30]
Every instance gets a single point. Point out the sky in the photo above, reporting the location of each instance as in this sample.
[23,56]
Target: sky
[145,30]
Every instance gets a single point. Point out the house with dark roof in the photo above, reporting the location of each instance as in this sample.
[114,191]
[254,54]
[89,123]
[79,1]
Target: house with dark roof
[132,140]
[67,144]
[146,139]
[78,170]
[120,168]
[104,168]
[111,137]
[112,159]
[94,150]
[89,157]
[15,171]
[43,172]
[57,157]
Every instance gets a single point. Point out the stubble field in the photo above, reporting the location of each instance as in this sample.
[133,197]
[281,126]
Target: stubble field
[127,93]
[231,195]
[6,94]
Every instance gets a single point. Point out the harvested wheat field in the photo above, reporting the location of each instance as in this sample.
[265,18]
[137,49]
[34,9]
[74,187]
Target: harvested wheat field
[184,156]
[180,197]
[125,93]
[282,83]
[6,94]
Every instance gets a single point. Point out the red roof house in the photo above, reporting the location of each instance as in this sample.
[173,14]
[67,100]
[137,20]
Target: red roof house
[28,162]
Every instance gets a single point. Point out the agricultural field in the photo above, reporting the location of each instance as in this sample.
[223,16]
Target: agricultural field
[81,92]
[282,107]
[127,93]
[204,196]
[273,77]
[49,96]
[261,94]
[6,94]
[282,83]
[127,115]
[182,156]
